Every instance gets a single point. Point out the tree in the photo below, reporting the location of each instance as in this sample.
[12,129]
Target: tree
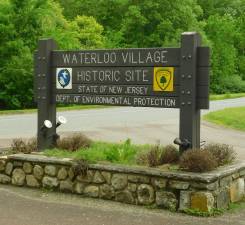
[224,78]
[22,23]
[144,23]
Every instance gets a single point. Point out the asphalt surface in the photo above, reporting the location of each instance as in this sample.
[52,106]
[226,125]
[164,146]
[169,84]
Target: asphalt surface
[22,206]
[141,125]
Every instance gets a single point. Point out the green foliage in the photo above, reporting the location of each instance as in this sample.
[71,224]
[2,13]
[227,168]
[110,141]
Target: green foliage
[123,153]
[196,212]
[22,24]
[121,23]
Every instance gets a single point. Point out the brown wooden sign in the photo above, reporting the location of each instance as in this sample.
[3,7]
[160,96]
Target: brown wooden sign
[149,77]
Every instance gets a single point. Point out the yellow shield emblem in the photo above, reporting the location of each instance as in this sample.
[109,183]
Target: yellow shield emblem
[163,79]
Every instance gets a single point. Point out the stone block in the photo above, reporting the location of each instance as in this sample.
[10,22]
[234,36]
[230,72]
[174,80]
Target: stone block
[139,179]
[91,191]
[167,200]
[31,181]
[159,183]
[107,176]
[98,178]
[38,172]
[237,190]
[242,173]
[223,199]
[125,196]
[9,168]
[185,200]
[175,184]
[107,191]
[4,179]
[226,181]
[50,170]
[205,186]
[17,164]
[235,176]
[146,195]
[86,178]
[2,165]
[66,186]
[79,187]
[119,181]
[62,173]
[50,182]
[71,173]
[203,201]
[18,177]
[132,187]
[27,167]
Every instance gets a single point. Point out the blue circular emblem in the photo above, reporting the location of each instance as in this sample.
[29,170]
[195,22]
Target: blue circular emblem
[64,77]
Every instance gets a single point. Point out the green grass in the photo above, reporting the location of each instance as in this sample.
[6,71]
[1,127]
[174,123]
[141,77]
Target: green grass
[233,207]
[214,97]
[59,109]
[123,153]
[229,117]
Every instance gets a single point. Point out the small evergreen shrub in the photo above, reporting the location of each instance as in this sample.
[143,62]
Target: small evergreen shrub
[74,142]
[197,160]
[224,154]
[21,146]
[170,154]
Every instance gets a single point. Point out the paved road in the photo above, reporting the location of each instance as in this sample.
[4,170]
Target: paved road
[33,207]
[142,125]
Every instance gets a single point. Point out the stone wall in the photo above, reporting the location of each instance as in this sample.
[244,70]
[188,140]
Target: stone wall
[132,185]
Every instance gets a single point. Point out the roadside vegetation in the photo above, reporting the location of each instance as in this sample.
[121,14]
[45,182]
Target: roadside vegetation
[79,147]
[214,97]
[229,117]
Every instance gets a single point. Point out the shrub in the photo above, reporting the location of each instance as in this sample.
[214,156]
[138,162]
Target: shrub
[21,146]
[153,156]
[223,154]
[74,142]
[150,158]
[196,160]
[170,154]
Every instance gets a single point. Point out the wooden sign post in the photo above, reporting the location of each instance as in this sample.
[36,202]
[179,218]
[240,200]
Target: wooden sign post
[150,77]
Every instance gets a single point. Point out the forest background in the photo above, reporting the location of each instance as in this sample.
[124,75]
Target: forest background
[91,24]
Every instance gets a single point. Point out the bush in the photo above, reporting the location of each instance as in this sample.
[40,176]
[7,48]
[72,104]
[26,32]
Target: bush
[170,154]
[74,142]
[223,154]
[196,160]
[21,146]
[151,157]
